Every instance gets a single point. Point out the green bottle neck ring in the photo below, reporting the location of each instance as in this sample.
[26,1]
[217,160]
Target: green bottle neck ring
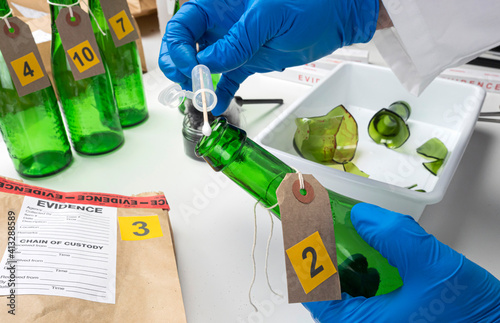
[388,126]
[223,146]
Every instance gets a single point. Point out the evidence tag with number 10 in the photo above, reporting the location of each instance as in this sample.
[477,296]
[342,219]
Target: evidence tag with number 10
[79,42]
[309,239]
[22,57]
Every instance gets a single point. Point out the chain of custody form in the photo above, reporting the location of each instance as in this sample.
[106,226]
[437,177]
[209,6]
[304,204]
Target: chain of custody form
[62,249]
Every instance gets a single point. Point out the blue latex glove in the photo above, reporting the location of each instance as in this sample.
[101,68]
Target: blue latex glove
[440,285]
[242,37]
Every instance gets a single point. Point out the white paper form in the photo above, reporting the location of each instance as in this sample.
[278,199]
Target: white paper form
[65,250]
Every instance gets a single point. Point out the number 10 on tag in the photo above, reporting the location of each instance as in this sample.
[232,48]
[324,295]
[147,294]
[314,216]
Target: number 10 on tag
[83,56]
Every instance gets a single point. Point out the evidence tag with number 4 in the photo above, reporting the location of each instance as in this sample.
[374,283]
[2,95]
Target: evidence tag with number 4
[120,21]
[22,57]
[79,42]
[309,239]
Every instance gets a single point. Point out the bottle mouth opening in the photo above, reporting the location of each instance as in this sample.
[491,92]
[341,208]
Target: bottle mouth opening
[207,143]
[223,145]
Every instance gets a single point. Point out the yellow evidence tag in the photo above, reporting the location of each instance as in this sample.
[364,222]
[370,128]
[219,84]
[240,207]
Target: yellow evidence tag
[27,69]
[83,56]
[121,24]
[140,227]
[311,262]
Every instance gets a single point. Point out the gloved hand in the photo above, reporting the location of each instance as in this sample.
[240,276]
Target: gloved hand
[242,37]
[440,285]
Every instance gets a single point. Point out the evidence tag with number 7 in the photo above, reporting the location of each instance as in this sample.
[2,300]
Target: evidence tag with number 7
[79,43]
[309,239]
[120,22]
[22,57]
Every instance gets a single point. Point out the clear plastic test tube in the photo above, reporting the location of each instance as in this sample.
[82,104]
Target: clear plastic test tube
[203,88]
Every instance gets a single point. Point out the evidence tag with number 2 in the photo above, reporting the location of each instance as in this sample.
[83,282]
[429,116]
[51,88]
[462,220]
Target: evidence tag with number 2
[309,239]
[120,22]
[22,57]
[79,43]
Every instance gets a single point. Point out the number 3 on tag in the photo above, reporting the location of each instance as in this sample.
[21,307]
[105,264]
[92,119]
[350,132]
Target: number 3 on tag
[27,69]
[83,56]
[311,262]
[140,227]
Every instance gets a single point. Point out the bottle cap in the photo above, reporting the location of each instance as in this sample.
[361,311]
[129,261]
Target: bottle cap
[172,96]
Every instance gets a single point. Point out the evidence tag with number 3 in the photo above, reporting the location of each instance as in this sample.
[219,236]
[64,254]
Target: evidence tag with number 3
[309,239]
[79,43]
[119,18]
[140,227]
[22,57]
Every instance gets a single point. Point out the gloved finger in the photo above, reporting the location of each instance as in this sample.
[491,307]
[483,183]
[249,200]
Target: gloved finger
[183,30]
[228,84]
[404,243]
[254,28]
[168,67]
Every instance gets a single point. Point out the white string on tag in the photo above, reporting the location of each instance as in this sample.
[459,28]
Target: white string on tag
[7,20]
[69,6]
[267,251]
[301,178]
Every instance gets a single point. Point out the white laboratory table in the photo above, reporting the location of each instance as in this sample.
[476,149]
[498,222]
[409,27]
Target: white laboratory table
[212,218]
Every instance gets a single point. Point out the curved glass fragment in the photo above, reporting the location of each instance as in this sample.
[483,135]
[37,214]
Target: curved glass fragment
[332,137]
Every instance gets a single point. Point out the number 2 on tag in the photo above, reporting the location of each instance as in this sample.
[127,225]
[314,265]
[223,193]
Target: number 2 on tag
[83,56]
[311,262]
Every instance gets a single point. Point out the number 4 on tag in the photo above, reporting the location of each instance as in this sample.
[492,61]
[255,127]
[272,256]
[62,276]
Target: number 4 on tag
[27,69]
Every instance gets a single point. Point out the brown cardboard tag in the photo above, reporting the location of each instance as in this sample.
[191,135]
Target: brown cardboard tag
[309,238]
[79,42]
[22,57]
[120,22]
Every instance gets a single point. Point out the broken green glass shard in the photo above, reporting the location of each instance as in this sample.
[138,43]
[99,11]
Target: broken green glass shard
[434,166]
[333,137]
[353,169]
[415,185]
[433,149]
[388,126]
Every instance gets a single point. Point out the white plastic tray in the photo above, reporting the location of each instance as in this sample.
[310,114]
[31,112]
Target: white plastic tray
[447,110]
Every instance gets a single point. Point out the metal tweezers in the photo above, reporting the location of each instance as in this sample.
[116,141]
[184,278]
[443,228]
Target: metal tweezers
[490,117]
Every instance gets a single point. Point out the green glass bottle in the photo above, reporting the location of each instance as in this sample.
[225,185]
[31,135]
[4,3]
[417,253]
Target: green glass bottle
[124,65]
[89,104]
[363,271]
[32,126]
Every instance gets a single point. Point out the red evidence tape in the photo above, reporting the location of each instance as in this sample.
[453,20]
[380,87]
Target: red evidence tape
[101,199]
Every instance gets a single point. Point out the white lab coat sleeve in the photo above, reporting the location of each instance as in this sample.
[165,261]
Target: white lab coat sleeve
[431,35]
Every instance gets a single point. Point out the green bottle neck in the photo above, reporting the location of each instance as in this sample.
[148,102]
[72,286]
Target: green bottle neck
[177,6]
[95,7]
[402,109]
[250,166]
[4,8]
[55,10]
